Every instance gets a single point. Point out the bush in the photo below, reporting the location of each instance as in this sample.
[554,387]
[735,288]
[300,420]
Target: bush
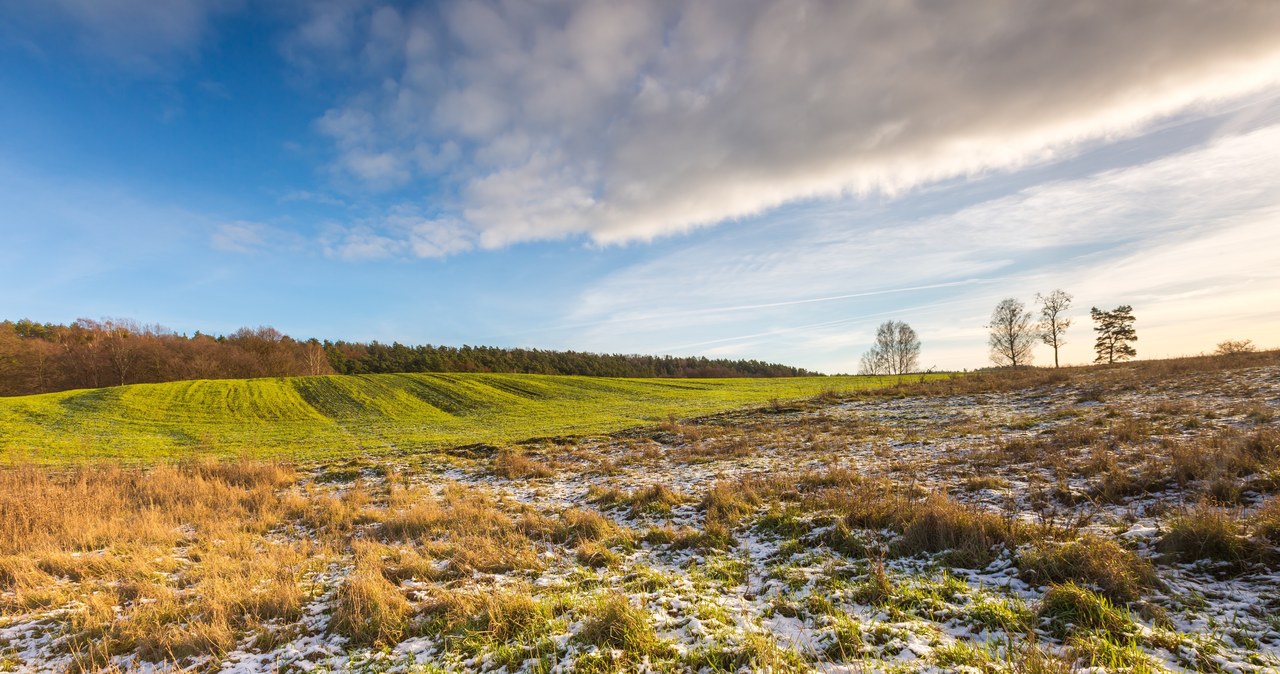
[1231,347]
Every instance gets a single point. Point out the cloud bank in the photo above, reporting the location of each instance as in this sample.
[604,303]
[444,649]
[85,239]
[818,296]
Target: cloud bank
[629,121]
[1189,240]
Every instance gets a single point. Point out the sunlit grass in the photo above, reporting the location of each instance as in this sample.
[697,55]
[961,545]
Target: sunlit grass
[333,416]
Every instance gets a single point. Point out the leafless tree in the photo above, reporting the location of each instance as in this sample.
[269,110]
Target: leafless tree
[315,357]
[1012,334]
[896,351]
[1053,324]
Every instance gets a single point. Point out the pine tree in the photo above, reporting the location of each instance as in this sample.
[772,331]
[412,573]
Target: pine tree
[1115,333]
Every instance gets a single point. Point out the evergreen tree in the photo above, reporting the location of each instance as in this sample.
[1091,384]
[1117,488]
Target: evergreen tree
[1115,334]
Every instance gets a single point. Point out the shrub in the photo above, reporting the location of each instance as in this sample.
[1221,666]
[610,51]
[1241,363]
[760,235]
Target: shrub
[1232,347]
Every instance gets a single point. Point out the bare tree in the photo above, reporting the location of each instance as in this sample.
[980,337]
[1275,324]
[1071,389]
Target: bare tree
[896,351]
[1053,325]
[317,360]
[1115,332]
[874,362]
[1012,334]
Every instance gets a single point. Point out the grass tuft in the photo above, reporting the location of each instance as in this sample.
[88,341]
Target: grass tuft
[1206,532]
[614,623]
[514,465]
[370,610]
[1095,562]
[1068,609]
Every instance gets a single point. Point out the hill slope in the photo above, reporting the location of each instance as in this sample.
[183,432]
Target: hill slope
[346,414]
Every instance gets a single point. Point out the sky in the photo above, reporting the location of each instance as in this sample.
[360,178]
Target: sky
[728,178]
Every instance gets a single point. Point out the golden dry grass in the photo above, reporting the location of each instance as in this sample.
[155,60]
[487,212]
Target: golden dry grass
[168,563]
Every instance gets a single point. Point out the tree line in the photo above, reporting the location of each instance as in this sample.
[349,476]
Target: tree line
[358,358]
[47,357]
[1014,332]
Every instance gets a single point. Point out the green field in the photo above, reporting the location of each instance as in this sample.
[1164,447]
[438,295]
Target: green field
[330,416]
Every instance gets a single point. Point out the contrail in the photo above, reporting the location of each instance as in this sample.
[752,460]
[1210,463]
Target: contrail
[750,307]
[811,326]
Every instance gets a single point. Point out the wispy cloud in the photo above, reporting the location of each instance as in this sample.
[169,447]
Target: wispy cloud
[141,36]
[404,231]
[251,238]
[628,121]
[239,237]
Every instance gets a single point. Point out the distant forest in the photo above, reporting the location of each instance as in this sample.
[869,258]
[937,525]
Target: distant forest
[46,357]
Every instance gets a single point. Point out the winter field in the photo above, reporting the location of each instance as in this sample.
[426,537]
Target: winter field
[1123,519]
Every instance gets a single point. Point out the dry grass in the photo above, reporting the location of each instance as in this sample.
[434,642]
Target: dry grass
[1227,454]
[969,536]
[184,561]
[465,527]
[656,499]
[514,465]
[726,503]
[370,610]
[1207,532]
[612,622]
[1266,521]
[935,523]
[1069,608]
[92,507]
[1098,563]
[95,539]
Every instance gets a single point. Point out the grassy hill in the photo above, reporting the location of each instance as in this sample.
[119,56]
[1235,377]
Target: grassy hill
[327,416]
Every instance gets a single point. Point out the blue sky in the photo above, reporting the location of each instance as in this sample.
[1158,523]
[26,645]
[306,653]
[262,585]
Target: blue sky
[744,179]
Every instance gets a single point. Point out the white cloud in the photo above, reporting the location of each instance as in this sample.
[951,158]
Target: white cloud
[627,121]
